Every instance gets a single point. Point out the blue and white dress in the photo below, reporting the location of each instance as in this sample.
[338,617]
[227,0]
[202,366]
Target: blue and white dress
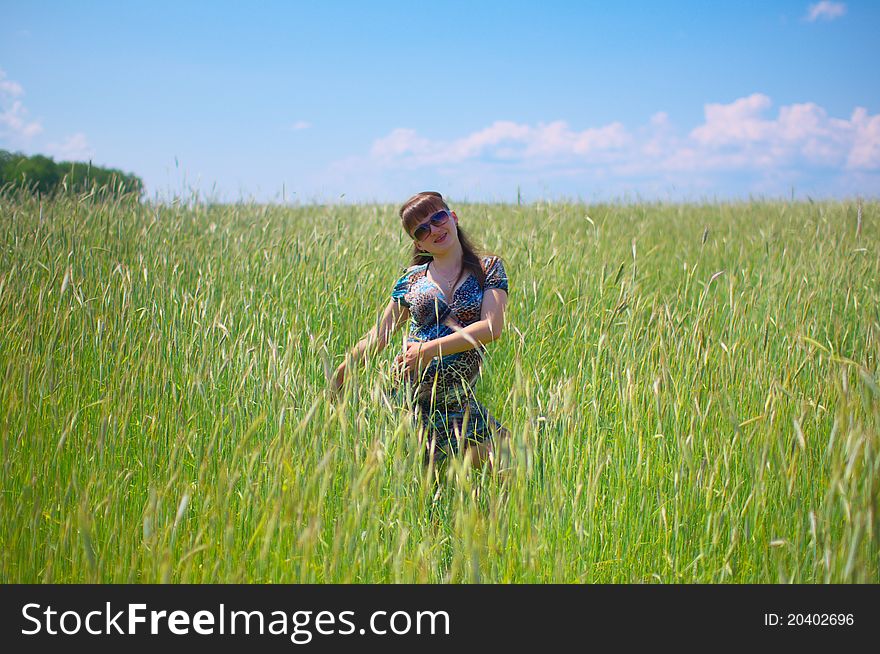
[443,396]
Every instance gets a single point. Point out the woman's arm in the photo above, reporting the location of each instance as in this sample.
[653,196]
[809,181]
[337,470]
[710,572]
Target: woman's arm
[485,330]
[374,340]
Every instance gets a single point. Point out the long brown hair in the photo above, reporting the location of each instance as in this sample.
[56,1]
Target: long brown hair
[425,204]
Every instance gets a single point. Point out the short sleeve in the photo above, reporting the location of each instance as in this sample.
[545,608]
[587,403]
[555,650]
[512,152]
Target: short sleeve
[401,288]
[496,276]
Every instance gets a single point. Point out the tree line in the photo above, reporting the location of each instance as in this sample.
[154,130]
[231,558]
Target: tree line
[40,174]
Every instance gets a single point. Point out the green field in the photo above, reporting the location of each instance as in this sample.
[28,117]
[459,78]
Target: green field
[692,391]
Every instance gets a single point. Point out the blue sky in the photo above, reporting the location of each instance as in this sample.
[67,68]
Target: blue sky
[373,101]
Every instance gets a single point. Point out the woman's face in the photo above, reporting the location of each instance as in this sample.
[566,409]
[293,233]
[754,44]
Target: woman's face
[442,237]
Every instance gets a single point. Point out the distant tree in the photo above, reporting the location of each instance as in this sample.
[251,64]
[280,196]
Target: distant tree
[43,175]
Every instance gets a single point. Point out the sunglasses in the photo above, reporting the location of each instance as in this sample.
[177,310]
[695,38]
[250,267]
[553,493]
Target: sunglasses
[423,231]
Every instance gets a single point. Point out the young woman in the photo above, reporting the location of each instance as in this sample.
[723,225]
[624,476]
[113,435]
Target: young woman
[454,301]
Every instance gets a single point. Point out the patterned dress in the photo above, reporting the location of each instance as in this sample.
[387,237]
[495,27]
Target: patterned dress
[443,396]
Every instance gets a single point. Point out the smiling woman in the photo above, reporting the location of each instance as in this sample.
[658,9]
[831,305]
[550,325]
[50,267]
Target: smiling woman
[454,301]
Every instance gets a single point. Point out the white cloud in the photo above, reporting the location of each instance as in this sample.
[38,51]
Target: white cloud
[8,87]
[399,143]
[74,148]
[737,135]
[747,141]
[502,140]
[661,118]
[865,154]
[825,10]
[300,125]
[15,124]
[740,121]
[16,128]
[800,135]
[498,135]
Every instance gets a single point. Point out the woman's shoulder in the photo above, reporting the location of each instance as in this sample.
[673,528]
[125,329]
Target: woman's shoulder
[496,276]
[414,268]
[404,283]
[488,261]
[411,272]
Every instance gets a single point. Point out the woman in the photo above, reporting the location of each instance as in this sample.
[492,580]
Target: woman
[455,302]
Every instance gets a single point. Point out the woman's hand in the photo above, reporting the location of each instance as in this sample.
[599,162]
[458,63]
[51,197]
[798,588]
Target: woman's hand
[374,340]
[416,358]
[335,381]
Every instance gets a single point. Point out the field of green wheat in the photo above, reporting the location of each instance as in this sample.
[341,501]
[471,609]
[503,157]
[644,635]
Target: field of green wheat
[692,392]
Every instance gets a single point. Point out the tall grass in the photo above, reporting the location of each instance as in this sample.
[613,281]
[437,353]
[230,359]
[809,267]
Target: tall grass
[692,389]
